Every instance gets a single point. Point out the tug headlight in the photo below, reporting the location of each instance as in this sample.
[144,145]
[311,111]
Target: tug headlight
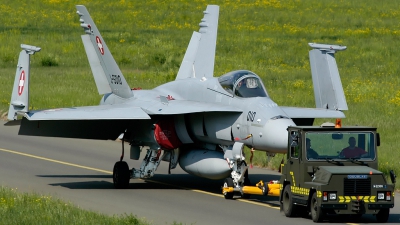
[384,195]
[332,196]
[381,196]
[329,196]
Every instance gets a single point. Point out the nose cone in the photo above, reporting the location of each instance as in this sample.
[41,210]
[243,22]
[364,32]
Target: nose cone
[276,136]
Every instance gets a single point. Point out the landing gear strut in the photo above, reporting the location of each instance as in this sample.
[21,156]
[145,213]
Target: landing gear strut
[239,181]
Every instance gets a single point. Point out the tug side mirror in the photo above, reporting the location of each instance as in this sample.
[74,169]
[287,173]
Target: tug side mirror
[392,176]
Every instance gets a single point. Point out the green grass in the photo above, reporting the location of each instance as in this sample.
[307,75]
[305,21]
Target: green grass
[149,38]
[32,208]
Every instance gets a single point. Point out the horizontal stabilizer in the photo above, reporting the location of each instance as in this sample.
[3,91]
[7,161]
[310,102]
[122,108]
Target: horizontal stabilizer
[101,112]
[328,88]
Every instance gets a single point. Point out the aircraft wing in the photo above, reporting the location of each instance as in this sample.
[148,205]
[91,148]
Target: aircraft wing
[106,122]
[176,107]
[101,112]
[294,112]
[127,112]
[103,122]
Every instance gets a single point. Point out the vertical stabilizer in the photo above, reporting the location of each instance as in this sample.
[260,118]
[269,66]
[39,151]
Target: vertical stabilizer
[113,74]
[205,56]
[186,68]
[328,88]
[97,70]
[20,93]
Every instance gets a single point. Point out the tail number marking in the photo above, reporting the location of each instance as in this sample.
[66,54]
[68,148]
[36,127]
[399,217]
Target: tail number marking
[251,115]
[116,79]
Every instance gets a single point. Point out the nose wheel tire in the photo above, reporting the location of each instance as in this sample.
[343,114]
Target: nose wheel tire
[121,175]
[228,182]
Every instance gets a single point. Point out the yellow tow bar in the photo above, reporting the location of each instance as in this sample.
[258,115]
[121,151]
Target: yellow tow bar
[261,188]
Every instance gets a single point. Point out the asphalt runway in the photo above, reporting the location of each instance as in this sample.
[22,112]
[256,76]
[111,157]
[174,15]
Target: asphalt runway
[80,172]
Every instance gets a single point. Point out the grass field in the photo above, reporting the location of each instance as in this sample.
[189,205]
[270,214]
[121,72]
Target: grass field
[149,38]
[32,208]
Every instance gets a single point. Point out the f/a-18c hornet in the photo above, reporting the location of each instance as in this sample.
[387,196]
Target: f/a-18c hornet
[198,121]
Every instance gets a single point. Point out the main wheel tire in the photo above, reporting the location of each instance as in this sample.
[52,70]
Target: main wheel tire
[316,211]
[287,201]
[228,182]
[383,215]
[121,175]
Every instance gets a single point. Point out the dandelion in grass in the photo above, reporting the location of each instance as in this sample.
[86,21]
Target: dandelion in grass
[299,84]
[396,99]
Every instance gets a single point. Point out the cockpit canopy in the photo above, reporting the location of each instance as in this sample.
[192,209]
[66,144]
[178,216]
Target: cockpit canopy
[243,83]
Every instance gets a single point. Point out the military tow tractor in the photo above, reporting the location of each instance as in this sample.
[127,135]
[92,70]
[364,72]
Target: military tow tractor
[334,170]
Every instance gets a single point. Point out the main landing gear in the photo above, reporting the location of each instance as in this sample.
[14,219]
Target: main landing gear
[122,174]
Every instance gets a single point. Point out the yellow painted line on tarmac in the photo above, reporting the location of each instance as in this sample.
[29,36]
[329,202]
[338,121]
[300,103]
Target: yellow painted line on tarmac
[218,195]
[259,203]
[109,172]
[55,161]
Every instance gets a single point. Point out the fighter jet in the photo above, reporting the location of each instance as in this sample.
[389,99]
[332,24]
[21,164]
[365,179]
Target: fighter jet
[200,121]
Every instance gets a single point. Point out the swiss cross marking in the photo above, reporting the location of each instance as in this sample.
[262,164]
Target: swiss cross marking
[21,83]
[100,45]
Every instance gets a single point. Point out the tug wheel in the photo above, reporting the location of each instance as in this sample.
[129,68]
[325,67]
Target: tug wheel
[287,200]
[228,182]
[121,175]
[316,211]
[383,215]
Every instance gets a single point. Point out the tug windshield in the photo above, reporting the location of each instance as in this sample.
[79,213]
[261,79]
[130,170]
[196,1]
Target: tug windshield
[340,145]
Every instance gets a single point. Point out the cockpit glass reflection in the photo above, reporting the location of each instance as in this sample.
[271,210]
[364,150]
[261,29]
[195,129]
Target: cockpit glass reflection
[243,84]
